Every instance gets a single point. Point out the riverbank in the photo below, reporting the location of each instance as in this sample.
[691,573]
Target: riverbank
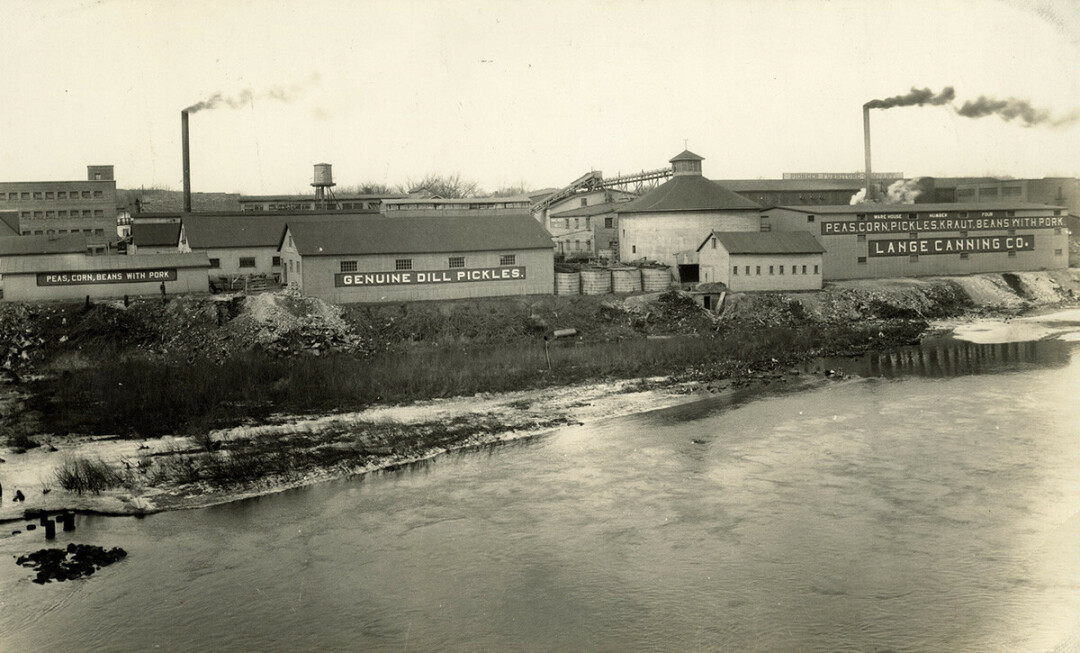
[139,475]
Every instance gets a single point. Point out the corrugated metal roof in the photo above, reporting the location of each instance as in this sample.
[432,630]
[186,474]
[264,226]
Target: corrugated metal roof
[32,245]
[417,235]
[920,208]
[247,229]
[688,193]
[757,242]
[70,262]
[155,234]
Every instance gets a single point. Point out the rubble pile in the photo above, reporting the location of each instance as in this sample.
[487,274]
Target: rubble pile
[673,312]
[285,323]
[20,339]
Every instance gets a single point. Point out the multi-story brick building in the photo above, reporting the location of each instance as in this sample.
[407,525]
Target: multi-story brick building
[65,207]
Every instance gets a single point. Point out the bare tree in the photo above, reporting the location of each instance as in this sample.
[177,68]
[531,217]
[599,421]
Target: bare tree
[448,186]
[369,188]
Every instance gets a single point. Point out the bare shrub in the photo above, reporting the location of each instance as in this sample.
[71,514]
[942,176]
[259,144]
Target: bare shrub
[84,475]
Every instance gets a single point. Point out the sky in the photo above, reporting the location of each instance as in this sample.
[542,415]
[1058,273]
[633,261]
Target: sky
[536,94]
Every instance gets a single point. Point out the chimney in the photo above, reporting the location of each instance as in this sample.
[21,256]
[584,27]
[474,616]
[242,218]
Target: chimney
[866,147]
[187,160]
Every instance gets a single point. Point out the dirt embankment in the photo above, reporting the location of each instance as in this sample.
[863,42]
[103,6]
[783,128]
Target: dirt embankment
[244,445]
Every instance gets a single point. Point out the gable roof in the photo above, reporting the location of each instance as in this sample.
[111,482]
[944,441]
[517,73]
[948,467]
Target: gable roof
[688,193]
[36,245]
[758,242]
[686,155]
[941,207]
[418,235]
[9,223]
[253,229]
[155,234]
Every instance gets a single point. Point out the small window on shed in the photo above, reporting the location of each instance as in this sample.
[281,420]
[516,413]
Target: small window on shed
[735,270]
[457,261]
[348,266]
[815,269]
[403,264]
[609,223]
[714,243]
[508,259]
[247,261]
[215,263]
[275,261]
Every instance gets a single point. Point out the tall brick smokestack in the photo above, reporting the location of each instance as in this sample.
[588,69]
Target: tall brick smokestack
[187,160]
[866,149]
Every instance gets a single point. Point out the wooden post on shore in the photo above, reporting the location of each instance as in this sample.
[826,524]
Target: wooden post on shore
[546,354]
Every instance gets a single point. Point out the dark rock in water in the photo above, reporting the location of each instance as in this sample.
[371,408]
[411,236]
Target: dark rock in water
[15,532]
[76,561]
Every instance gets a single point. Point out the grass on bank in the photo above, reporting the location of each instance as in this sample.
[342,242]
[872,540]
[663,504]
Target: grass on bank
[136,397]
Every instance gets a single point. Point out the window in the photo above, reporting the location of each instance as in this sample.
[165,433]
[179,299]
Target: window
[86,213]
[584,201]
[348,266]
[862,260]
[99,213]
[61,213]
[97,194]
[815,269]
[860,238]
[457,261]
[913,235]
[747,269]
[508,259]
[771,269]
[49,194]
[86,194]
[633,249]
[37,195]
[860,216]
[247,261]
[714,243]
[758,271]
[962,214]
[809,218]
[964,256]
[61,194]
[275,261]
[1010,214]
[963,234]
[403,264]
[1012,232]
[609,223]
[1057,252]
[24,196]
[50,214]
[735,270]
[215,263]
[1012,253]
[1057,212]
[914,258]
[39,214]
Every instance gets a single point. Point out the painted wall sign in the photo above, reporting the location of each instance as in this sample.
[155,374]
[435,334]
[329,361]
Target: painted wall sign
[413,277]
[110,276]
[881,226]
[843,176]
[978,245]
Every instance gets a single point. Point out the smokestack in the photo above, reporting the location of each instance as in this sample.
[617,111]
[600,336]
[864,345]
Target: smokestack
[866,148]
[187,160]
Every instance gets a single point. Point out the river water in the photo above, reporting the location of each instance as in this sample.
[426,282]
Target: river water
[932,506]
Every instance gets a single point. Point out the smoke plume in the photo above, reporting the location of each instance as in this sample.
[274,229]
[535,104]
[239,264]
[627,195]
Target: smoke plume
[903,191]
[247,96]
[917,97]
[1015,109]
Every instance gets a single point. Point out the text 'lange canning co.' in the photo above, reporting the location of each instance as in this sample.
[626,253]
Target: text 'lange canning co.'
[411,277]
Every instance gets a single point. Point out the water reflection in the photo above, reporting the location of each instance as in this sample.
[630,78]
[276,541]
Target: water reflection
[945,358]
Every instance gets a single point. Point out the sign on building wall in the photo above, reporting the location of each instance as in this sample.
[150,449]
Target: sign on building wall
[843,176]
[413,277]
[112,276]
[892,224]
[978,245]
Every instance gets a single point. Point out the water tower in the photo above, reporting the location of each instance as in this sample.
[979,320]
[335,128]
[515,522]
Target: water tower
[324,187]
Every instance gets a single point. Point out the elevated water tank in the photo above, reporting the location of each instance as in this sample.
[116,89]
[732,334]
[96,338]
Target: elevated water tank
[323,175]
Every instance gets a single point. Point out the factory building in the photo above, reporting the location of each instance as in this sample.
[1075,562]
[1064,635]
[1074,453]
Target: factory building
[297,203]
[746,261]
[9,223]
[872,241]
[154,238]
[65,207]
[675,216]
[1055,191]
[418,258]
[416,207]
[75,276]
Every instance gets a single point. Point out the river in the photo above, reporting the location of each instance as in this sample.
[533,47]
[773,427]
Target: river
[929,506]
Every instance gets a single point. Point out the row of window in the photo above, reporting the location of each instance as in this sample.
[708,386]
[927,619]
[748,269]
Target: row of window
[53,232]
[436,206]
[52,195]
[407,263]
[914,258]
[564,223]
[86,213]
[245,262]
[772,269]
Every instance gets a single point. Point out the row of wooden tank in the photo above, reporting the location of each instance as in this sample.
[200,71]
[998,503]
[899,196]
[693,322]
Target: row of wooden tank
[601,281]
